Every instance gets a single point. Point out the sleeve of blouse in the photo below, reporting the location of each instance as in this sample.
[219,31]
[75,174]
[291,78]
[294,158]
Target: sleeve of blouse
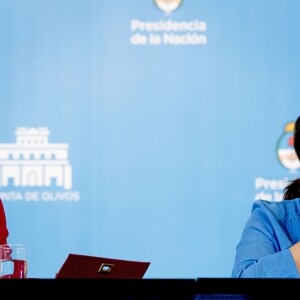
[259,254]
[3,228]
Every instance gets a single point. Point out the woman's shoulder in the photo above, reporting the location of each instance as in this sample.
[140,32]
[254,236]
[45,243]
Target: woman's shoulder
[276,206]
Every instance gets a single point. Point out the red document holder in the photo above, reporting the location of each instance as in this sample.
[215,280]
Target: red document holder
[83,266]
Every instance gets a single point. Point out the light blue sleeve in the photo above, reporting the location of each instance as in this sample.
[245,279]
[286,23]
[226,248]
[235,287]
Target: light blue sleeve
[263,251]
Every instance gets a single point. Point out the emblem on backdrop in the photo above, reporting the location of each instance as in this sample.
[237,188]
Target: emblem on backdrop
[168,6]
[285,148]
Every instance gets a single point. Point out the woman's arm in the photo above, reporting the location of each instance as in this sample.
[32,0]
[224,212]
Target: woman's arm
[264,249]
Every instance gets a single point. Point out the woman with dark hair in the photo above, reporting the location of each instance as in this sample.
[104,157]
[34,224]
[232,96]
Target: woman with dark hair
[292,191]
[270,243]
[3,228]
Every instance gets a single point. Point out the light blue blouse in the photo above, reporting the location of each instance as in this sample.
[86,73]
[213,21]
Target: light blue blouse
[263,251]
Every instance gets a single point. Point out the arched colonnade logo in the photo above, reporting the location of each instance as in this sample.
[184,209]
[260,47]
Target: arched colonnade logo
[32,169]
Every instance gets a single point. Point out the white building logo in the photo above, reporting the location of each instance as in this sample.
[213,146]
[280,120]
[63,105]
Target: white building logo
[34,162]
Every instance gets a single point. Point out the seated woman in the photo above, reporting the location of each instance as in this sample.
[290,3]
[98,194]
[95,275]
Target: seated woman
[269,246]
[3,228]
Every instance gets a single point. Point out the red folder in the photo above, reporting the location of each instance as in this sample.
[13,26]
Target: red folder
[83,266]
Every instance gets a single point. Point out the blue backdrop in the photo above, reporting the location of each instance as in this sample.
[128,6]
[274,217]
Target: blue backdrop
[144,130]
